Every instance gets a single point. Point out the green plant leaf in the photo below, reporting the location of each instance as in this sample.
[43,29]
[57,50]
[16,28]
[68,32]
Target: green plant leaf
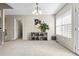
[43,27]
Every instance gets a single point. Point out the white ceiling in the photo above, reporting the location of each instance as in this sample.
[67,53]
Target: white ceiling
[27,8]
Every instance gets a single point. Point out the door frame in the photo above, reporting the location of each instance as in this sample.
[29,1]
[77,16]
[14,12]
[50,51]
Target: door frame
[76,23]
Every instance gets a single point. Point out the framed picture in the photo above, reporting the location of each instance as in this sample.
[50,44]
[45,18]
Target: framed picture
[37,21]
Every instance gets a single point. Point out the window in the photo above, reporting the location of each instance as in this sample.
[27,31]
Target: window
[64,25]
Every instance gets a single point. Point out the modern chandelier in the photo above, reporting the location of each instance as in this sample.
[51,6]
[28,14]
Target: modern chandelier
[37,10]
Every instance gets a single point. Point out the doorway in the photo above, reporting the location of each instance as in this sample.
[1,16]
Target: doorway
[18,29]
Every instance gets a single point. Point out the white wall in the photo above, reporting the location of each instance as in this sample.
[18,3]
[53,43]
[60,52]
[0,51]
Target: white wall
[9,25]
[69,43]
[28,24]
[15,28]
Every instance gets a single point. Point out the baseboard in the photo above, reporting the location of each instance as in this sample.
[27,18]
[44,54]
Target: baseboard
[67,48]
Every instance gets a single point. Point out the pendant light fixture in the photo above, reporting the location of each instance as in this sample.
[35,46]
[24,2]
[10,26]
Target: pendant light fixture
[37,10]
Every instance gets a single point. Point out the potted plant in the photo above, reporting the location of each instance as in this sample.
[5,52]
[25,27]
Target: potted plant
[43,27]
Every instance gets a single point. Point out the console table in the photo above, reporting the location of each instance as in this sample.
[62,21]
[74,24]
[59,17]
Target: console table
[38,36]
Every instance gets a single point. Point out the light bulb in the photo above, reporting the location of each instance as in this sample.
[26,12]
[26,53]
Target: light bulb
[34,11]
[40,12]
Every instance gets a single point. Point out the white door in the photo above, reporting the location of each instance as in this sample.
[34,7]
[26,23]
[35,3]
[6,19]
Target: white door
[77,27]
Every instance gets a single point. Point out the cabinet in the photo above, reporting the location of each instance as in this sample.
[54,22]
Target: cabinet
[38,36]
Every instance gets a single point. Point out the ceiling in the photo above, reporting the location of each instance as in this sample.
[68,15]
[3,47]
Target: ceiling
[27,8]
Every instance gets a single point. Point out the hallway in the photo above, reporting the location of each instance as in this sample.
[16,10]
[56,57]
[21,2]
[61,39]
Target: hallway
[33,48]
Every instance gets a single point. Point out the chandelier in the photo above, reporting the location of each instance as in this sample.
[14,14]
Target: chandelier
[37,10]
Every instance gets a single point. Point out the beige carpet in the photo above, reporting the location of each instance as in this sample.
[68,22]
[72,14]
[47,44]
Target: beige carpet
[33,48]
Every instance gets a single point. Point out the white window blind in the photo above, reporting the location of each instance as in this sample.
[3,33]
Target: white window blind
[64,25]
